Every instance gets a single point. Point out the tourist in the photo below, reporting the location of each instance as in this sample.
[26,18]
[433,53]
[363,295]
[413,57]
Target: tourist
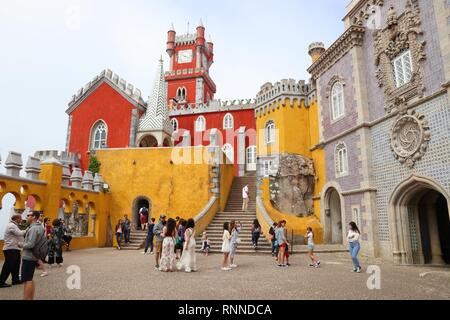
[126,228]
[150,237]
[226,246]
[180,238]
[56,244]
[245,198]
[13,241]
[167,262]
[34,240]
[256,233]
[273,239]
[158,230]
[281,236]
[47,227]
[188,260]
[143,211]
[235,229]
[41,262]
[67,235]
[206,245]
[143,220]
[354,246]
[119,233]
[309,236]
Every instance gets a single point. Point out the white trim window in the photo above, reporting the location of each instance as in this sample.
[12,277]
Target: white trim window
[174,123]
[99,136]
[200,124]
[270,132]
[356,216]
[181,94]
[229,152]
[228,121]
[403,69]
[341,160]
[267,168]
[337,101]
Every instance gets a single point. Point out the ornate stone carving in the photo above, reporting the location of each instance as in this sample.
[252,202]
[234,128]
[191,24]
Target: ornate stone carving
[402,33]
[292,188]
[363,13]
[410,136]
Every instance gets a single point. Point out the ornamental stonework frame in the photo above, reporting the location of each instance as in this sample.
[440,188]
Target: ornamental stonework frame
[402,33]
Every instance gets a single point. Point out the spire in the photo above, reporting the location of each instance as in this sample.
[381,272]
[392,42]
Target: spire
[200,24]
[209,39]
[157,114]
[172,28]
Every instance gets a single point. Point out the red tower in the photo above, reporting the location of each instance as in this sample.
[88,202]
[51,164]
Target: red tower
[190,59]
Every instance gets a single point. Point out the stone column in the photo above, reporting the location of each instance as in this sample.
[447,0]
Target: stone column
[33,168]
[92,233]
[241,151]
[76,178]
[435,243]
[65,175]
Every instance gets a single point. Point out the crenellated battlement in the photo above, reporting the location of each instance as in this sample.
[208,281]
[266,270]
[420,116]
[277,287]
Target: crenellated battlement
[213,106]
[125,88]
[66,158]
[271,95]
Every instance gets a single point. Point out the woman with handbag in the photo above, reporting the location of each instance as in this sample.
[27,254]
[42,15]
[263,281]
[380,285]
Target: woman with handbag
[235,229]
[273,238]
[256,233]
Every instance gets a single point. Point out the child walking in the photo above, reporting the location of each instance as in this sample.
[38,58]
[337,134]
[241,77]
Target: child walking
[206,245]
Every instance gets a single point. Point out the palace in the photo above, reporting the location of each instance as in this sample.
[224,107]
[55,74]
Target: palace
[365,140]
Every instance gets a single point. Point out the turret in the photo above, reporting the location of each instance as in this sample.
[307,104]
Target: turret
[211,48]
[315,50]
[200,40]
[171,41]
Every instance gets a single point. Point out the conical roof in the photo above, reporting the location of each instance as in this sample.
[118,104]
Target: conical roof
[157,114]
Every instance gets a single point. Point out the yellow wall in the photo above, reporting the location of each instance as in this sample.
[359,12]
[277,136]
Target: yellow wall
[49,193]
[297,133]
[226,181]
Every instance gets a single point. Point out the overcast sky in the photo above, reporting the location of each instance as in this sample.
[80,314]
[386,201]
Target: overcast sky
[51,48]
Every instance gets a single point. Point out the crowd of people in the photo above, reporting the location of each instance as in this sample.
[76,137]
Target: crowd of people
[26,250]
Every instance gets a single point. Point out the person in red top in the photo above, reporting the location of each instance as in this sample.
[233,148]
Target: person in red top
[48,227]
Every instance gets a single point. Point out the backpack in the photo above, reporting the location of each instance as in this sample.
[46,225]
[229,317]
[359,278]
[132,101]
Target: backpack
[40,250]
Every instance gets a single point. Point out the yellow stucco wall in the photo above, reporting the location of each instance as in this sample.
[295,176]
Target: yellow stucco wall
[226,181]
[297,133]
[49,192]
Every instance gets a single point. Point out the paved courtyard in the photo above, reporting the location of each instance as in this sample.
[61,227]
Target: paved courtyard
[110,274]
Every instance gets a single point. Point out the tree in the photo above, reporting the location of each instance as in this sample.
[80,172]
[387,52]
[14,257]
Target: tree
[94,165]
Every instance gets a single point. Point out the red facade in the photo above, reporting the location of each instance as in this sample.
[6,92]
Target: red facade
[107,105]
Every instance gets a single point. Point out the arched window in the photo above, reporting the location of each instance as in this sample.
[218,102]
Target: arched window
[228,121]
[229,152]
[99,136]
[200,124]
[270,132]
[181,94]
[341,160]
[337,101]
[174,123]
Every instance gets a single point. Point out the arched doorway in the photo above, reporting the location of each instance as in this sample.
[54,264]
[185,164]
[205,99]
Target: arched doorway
[333,217]
[138,203]
[148,141]
[420,223]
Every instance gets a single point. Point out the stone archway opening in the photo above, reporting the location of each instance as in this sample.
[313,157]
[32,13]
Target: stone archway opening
[138,204]
[333,217]
[420,223]
[148,141]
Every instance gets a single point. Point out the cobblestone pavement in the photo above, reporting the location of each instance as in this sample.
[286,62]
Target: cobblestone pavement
[111,274]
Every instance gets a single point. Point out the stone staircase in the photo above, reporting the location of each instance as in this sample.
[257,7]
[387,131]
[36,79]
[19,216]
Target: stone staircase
[233,211]
[137,240]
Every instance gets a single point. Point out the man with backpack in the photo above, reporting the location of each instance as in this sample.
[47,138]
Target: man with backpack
[35,247]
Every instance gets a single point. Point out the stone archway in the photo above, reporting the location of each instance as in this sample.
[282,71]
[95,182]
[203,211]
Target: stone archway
[148,141]
[332,216]
[420,222]
[138,203]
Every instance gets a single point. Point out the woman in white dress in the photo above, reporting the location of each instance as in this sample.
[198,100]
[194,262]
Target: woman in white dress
[188,260]
[167,263]
[226,247]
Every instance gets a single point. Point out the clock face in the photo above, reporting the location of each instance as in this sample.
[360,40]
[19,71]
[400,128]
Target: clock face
[185,56]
